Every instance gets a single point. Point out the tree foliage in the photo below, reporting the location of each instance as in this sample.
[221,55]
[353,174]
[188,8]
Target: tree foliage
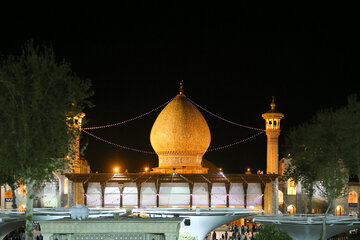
[38,94]
[270,232]
[317,155]
[326,151]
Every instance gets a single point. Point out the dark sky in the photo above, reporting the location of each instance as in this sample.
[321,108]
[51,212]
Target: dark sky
[232,58]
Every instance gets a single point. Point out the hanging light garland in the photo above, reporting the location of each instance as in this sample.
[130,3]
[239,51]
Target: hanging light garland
[129,120]
[151,152]
[158,107]
[225,120]
[117,145]
[235,143]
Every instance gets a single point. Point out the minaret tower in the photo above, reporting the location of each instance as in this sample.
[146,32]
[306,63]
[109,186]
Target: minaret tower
[272,119]
[74,123]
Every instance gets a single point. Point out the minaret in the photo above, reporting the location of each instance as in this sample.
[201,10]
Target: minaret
[74,123]
[272,120]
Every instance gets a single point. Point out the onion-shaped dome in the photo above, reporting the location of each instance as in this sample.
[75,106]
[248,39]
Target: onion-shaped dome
[180,135]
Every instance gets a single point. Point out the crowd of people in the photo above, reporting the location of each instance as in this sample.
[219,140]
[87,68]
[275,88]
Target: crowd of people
[244,232]
[19,234]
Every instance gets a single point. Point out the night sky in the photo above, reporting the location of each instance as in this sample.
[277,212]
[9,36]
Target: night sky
[232,58]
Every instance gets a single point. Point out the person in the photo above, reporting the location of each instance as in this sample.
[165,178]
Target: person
[222,236]
[214,235]
[226,235]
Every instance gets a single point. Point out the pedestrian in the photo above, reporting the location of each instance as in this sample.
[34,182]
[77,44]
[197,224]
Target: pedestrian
[226,235]
[214,235]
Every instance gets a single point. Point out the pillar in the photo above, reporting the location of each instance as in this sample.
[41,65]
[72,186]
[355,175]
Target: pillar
[138,186]
[245,186]
[227,187]
[272,121]
[70,194]
[121,188]
[85,186]
[102,185]
[209,193]
[157,185]
[191,188]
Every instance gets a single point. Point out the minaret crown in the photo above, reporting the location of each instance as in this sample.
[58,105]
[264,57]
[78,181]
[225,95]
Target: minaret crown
[272,105]
[272,117]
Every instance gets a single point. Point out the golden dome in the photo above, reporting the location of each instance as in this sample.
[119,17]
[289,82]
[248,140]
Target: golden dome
[180,135]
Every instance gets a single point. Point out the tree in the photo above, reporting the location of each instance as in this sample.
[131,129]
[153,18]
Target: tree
[37,94]
[318,157]
[350,122]
[269,232]
[303,162]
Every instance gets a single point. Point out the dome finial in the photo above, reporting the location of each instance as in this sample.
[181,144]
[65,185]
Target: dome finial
[181,87]
[272,105]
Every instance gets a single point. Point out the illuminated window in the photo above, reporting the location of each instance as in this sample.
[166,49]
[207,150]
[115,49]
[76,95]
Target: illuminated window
[339,210]
[353,197]
[316,210]
[291,187]
[291,209]
[66,186]
[280,197]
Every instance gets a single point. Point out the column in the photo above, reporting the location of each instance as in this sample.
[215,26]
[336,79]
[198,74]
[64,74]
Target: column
[227,187]
[245,186]
[271,205]
[2,194]
[275,188]
[191,188]
[138,186]
[263,197]
[102,185]
[85,186]
[157,185]
[209,193]
[121,188]
[70,194]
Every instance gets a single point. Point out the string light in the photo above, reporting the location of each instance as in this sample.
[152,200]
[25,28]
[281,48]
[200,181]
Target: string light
[117,145]
[235,143]
[129,120]
[158,107]
[151,152]
[223,119]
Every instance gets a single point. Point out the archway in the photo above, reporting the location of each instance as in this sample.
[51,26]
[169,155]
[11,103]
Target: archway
[339,210]
[291,187]
[353,199]
[291,209]
[280,197]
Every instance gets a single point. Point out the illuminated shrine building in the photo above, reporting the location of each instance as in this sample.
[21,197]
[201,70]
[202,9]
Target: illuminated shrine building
[180,137]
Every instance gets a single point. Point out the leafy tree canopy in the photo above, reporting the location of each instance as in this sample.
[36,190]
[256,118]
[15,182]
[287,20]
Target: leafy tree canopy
[36,95]
[270,232]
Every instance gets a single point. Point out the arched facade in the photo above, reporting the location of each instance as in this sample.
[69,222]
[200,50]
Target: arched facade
[291,209]
[280,197]
[353,198]
[339,210]
[291,187]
